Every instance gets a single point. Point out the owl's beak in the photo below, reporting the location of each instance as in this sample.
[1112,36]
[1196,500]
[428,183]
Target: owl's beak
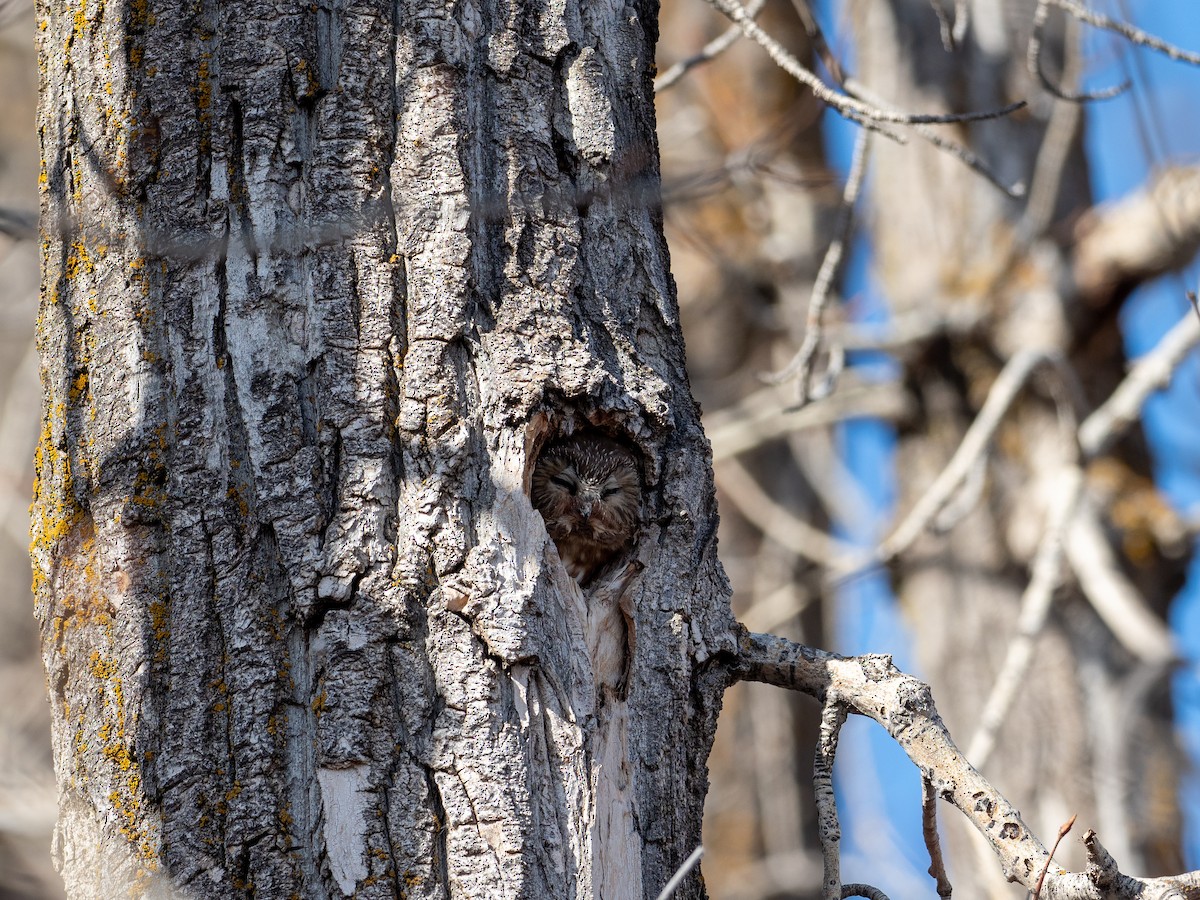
[587,502]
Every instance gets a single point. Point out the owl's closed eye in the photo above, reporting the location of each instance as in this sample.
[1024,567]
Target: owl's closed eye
[588,490]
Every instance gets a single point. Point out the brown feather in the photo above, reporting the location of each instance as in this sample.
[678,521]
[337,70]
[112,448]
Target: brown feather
[589,492]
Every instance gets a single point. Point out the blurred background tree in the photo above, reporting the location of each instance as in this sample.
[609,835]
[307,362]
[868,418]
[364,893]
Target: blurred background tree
[948,276]
[27,803]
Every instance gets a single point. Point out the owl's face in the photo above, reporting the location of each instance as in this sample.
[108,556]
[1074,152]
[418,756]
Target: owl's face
[588,490]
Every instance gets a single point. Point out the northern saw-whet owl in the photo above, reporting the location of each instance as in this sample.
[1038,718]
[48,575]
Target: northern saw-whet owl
[588,490]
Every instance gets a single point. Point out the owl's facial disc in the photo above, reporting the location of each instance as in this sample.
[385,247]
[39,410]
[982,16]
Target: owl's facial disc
[566,480]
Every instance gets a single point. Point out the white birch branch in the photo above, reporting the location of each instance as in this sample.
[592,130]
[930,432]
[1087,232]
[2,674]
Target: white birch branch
[871,686]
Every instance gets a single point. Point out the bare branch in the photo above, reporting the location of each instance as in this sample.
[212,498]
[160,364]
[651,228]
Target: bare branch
[18,224]
[708,52]
[929,830]
[863,890]
[915,328]
[845,105]
[800,367]
[873,687]
[1008,385]
[945,26]
[1035,606]
[829,832]
[1112,594]
[1127,31]
[1150,373]
[1147,234]
[757,419]
[778,522]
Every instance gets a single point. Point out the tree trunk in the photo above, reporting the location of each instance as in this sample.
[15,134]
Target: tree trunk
[318,284]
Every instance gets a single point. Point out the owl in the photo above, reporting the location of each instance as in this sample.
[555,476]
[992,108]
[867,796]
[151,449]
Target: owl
[588,490]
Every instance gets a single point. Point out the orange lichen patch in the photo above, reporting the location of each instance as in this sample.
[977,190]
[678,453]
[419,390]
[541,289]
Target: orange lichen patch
[79,598]
[139,14]
[55,513]
[413,880]
[160,627]
[54,517]
[285,823]
[79,389]
[235,495]
[148,491]
[204,83]
[124,776]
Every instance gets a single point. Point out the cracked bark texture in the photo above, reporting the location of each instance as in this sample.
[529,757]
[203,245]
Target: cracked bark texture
[318,282]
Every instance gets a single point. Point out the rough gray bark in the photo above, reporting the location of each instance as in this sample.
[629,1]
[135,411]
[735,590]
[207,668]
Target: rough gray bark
[318,282]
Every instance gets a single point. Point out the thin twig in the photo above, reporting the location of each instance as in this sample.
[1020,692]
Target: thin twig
[1127,31]
[681,873]
[862,92]
[778,522]
[800,367]
[1008,384]
[863,890]
[1062,833]
[816,38]
[1112,595]
[845,105]
[708,52]
[1033,60]
[929,830]
[1047,570]
[829,832]
[930,135]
